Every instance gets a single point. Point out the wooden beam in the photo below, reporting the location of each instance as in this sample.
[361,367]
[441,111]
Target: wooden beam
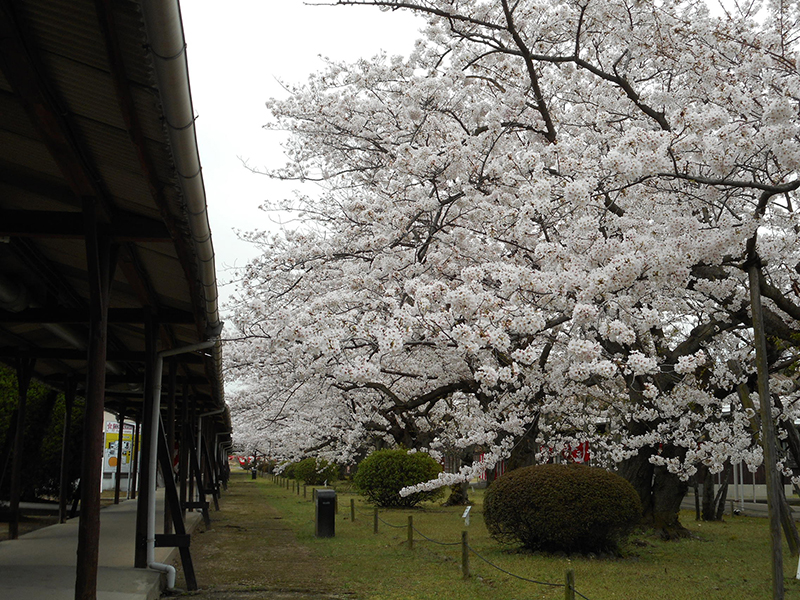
[173,507]
[100,267]
[127,226]
[191,380]
[149,429]
[81,315]
[63,486]
[120,453]
[24,374]
[25,73]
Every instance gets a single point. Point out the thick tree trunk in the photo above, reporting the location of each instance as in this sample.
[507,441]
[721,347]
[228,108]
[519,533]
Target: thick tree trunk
[722,496]
[709,509]
[639,472]
[660,492]
[459,495]
[668,493]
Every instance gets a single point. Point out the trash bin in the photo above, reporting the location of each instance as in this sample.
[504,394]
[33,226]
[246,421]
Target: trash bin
[325,522]
[253,473]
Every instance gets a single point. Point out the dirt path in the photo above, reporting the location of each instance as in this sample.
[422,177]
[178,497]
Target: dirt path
[247,553]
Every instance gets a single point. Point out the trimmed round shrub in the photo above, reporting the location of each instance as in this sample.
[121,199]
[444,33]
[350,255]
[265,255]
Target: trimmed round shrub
[571,508]
[382,475]
[315,471]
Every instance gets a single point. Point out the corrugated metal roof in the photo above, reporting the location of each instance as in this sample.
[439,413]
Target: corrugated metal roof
[61,56]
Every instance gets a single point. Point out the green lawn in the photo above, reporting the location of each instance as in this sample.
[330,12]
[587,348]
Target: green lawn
[725,561]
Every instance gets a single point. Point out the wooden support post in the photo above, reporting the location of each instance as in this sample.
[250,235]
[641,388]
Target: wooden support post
[64,484]
[352,510]
[767,428]
[410,532]
[569,587]
[148,430]
[101,261]
[375,521]
[200,491]
[172,378]
[24,374]
[183,449]
[464,555]
[135,470]
[120,454]
[210,481]
[192,474]
[173,506]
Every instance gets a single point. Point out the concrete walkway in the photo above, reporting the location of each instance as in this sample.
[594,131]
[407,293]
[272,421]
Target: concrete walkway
[41,564]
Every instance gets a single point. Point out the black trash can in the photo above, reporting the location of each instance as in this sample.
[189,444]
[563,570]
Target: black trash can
[325,522]
[253,473]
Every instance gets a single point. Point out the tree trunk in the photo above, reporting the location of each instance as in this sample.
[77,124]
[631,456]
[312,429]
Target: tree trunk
[639,472]
[709,510]
[721,497]
[459,495]
[668,493]
[660,492]
[696,486]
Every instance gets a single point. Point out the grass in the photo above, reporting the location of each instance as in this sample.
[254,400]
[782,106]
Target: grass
[726,560]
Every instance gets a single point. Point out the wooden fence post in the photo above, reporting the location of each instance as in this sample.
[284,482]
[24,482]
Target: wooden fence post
[569,587]
[410,532]
[352,509]
[464,555]
[375,521]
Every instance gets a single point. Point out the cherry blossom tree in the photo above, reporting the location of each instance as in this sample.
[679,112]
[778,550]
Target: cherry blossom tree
[536,231]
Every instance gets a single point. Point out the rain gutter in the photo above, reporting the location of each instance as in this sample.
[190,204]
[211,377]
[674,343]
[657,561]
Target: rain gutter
[167,45]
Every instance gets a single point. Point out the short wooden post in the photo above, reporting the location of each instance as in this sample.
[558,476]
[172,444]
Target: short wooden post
[464,555]
[375,521]
[305,491]
[298,488]
[410,532]
[569,587]
[352,509]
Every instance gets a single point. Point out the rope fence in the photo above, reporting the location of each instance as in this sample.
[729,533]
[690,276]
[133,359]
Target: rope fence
[569,585]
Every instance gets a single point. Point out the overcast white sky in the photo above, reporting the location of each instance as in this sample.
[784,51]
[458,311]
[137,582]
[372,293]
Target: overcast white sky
[237,50]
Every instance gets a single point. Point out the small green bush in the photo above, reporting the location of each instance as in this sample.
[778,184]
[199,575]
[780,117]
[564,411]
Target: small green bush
[571,508]
[382,475]
[288,470]
[315,471]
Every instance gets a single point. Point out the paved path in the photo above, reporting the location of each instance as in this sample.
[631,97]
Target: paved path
[41,565]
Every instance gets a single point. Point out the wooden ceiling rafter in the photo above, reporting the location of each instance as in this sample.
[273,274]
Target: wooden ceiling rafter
[23,70]
[80,315]
[129,227]
[78,355]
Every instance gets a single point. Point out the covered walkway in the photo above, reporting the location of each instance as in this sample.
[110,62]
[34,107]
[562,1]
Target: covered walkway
[108,288]
[41,564]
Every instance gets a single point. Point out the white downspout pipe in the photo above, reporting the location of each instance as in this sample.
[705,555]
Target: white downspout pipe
[153,459]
